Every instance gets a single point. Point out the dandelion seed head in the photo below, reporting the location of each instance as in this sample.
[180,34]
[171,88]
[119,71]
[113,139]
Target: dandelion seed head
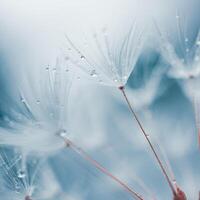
[22,177]
[107,59]
[40,112]
[182,54]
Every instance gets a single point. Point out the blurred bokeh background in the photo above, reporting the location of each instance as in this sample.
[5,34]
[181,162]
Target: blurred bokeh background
[32,35]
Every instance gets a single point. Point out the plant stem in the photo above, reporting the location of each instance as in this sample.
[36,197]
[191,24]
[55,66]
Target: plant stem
[148,141]
[98,166]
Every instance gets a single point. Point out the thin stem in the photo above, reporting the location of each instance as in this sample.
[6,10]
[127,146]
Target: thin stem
[98,166]
[148,140]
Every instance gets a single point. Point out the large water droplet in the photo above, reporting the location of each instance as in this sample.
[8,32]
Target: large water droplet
[93,73]
[82,57]
[63,133]
[21,174]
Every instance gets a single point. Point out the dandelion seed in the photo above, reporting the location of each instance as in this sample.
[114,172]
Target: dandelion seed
[31,183]
[43,129]
[118,69]
[112,60]
[185,62]
[41,117]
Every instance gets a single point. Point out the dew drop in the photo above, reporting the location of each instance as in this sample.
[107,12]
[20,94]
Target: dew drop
[63,133]
[82,57]
[186,40]
[67,70]
[79,78]
[93,73]
[174,181]
[115,80]
[38,101]
[21,174]
[147,135]
[47,68]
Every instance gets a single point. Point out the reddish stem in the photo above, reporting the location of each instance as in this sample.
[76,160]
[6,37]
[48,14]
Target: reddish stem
[87,157]
[149,141]
[180,195]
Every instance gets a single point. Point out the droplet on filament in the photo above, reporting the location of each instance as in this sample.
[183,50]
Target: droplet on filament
[21,174]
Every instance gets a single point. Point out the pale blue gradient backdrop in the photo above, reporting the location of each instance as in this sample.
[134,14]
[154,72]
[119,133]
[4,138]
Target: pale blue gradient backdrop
[32,33]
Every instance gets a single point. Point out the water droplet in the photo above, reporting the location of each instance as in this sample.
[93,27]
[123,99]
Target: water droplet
[93,73]
[67,70]
[79,78]
[21,174]
[63,133]
[187,50]
[47,68]
[186,40]
[174,181]
[177,16]
[38,101]
[82,57]
[115,80]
